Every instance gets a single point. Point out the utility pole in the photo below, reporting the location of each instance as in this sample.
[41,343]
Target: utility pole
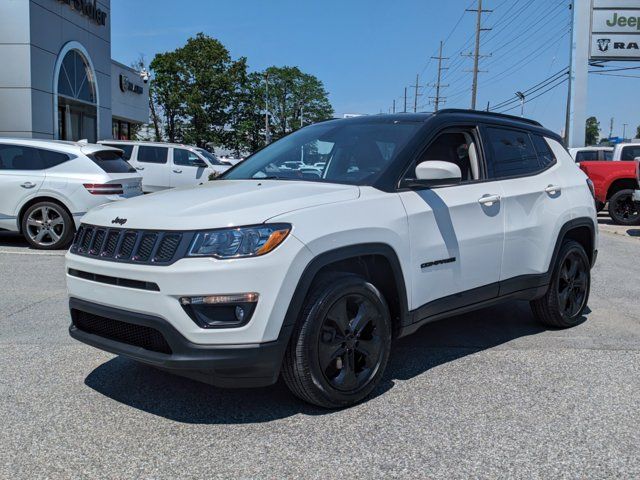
[438,99]
[394,105]
[415,98]
[624,130]
[476,53]
[611,128]
[267,133]
[578,73]
[405,99]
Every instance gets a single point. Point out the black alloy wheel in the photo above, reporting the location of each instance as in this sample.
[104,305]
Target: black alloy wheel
[622,208]
[573,282]
[340,346]
[349,345]
[566,298]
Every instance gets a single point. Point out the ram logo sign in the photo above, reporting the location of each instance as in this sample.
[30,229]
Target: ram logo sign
[603,44]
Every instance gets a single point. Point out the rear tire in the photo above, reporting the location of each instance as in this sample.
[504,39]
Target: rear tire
[340,347]
[622,208]
[47,226]
[568,293]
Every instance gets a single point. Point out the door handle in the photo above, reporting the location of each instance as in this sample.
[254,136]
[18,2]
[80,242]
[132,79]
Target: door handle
[553,189]
[489,200]
[28,185]
[177,171]
[139,168]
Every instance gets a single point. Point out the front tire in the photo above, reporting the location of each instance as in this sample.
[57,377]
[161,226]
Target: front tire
[340,347]
[566,298]
[622,208]
[47,226]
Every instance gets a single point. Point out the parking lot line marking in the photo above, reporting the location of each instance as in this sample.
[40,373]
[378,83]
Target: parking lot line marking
[50,254]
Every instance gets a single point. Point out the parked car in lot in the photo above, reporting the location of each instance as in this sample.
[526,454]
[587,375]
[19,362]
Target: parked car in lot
[614,182]
[47,186]
[591,154]
[168,165]
[269,271]
[626,151]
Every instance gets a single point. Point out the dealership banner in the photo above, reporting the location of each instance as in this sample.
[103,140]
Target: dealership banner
[615,30]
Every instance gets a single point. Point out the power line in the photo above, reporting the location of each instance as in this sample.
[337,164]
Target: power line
[537,96]
[536,87]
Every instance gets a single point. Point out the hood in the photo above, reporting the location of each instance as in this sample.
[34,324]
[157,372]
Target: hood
[219,203]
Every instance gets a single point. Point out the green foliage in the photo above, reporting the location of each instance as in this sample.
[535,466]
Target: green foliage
[592,131]
[295,99]
[638,131]
[206,97]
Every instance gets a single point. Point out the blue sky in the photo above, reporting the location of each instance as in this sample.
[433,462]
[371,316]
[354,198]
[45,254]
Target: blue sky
[366,52]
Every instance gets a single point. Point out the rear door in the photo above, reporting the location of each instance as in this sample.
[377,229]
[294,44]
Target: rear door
[21,176]
[153,164]
[533,202]
[185,168]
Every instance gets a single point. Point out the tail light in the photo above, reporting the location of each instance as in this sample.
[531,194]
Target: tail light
[591,188]
[638,170]
[104,188]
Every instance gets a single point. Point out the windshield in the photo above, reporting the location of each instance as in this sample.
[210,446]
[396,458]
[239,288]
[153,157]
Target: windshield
[338,152]
[209,156]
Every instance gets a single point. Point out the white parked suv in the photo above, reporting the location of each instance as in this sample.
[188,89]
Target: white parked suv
[47,186]
[269,270]
[168,165]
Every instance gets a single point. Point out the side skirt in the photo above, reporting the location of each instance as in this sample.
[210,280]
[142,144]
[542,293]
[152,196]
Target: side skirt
[525,287]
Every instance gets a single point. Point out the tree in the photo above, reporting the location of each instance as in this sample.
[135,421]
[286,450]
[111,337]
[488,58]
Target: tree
[140,65]
[592,131]
[247,123]
[168,92]
[638,132]
[295,99]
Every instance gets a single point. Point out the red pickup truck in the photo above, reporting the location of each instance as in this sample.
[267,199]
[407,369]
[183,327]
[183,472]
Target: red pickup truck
[615,182]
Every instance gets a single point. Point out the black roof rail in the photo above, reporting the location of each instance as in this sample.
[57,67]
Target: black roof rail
[489,114]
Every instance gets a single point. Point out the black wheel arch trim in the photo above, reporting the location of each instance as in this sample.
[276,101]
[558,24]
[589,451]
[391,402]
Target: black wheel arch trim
[340,254]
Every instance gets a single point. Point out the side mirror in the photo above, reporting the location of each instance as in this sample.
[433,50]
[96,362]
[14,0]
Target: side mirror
[434,173]
[200,163]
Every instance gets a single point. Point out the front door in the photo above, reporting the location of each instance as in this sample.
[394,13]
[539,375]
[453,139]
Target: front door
[456,232]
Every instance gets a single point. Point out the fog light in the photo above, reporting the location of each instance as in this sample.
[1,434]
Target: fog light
[220,311]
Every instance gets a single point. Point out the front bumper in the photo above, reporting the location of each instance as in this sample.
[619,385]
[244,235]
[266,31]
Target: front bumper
[250,365]
[636,195]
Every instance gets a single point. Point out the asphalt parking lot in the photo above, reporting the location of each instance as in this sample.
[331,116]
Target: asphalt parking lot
[485,395]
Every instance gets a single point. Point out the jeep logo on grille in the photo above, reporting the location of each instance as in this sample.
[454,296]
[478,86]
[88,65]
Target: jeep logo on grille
[119,221]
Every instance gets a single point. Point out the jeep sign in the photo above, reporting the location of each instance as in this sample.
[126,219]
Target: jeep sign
[615,30]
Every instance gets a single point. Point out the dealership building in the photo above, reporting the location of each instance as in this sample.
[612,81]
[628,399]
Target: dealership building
[57,78]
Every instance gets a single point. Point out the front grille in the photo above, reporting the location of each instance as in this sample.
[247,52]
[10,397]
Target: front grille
[129,333]
[130,246]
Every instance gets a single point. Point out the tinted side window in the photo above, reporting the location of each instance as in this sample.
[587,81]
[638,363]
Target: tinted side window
[512,153]
[545,155]
[184,157]
[608,154]
[127,149]
[587,156]
[17,157]
[152,154]
[630,153]
[111,162]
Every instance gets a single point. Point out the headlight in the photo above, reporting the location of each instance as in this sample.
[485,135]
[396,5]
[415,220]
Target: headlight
[239,242]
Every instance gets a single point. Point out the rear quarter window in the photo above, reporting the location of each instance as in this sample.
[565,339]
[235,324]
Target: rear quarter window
[111,162]
[148,154]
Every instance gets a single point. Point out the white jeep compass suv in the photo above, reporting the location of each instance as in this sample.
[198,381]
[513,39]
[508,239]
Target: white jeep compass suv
[312,274]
